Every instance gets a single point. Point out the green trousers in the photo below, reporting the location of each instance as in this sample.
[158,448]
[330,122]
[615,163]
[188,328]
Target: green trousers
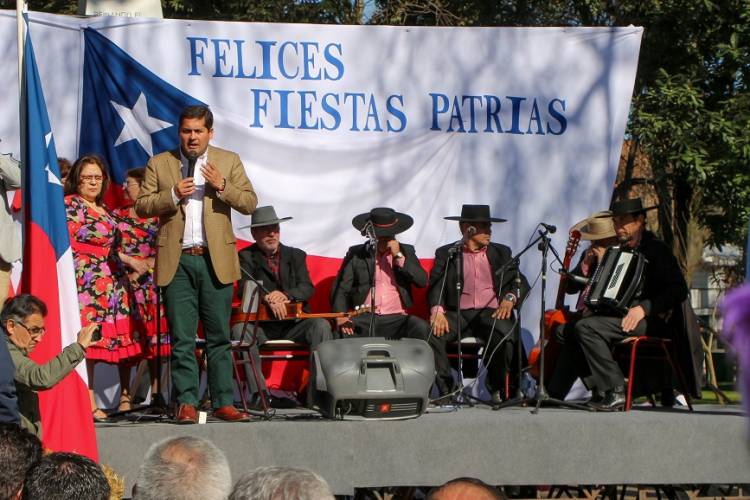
[195,293]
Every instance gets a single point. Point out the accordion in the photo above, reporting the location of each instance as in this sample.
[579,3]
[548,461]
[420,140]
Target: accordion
[617,281]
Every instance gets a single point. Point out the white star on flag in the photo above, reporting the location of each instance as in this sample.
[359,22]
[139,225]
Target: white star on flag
[138,124]
[51,177]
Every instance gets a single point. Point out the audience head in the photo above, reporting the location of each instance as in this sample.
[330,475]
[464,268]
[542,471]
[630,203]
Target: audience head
[19,451]
[133,180]
[183,468]
[22,318]
[88,178]
[65,476]
[272,483]
[464,488]
[64,165]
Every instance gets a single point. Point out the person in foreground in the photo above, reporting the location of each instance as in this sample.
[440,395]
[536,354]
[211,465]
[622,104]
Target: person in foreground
[65,476]
[272,483]
[464,488]
[22,322]
[19,451]
[183,468]
[192,190]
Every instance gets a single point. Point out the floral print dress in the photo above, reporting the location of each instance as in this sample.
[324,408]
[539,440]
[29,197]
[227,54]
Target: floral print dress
[102,282]
[139,241]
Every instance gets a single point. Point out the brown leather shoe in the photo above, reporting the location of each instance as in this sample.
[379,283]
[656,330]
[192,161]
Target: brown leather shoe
[187,414]
[231,414]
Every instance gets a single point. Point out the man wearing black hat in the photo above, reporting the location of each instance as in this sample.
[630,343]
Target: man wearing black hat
[664,289]
[282,270]
[382,272]
[488,297]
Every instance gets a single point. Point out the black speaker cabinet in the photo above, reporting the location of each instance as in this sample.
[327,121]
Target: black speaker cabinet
[372,378]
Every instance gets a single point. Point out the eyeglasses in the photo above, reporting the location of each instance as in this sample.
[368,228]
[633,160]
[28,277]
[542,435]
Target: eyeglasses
[89,178]
[34,330]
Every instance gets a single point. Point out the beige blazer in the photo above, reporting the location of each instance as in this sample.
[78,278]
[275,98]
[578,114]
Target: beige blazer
[155,200]
[10,178]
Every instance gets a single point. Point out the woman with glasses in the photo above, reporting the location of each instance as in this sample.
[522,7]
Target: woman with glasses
[138,252]
[100,274]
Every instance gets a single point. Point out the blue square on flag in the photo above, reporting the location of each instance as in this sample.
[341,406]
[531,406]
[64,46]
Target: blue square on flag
[128,113]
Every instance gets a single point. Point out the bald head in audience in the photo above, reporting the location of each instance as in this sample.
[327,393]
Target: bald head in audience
[183,468]
[464,488]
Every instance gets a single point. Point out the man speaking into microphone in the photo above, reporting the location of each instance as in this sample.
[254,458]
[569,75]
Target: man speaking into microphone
[465,287]
[192,190]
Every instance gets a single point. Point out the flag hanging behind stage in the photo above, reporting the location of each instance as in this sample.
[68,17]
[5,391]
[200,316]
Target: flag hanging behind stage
[48,273]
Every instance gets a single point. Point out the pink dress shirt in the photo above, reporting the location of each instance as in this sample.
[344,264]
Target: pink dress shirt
[387,298]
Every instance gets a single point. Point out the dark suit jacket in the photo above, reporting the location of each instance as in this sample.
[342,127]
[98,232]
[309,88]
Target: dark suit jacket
[664,286]
[497,255]
[294,278]
[354,279]
[8,400]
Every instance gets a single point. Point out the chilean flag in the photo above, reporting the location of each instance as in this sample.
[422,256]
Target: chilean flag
[48,271]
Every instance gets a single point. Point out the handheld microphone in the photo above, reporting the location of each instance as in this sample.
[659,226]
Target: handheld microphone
[471,231]
[191,165]
[549,227]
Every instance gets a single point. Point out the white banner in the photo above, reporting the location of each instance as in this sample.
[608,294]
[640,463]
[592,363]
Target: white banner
[331,121]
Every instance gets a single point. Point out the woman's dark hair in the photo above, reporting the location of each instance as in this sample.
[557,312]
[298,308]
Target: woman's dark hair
[74,178]
[20,307]
[137,173]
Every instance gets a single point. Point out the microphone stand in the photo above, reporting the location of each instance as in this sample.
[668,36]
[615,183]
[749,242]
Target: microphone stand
[541,397]
[370,231]
[267,412]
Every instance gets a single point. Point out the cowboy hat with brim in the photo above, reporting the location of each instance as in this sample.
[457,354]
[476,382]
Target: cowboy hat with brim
[266,216]
[475,213]
[627,207]
[385,221]
[598,226]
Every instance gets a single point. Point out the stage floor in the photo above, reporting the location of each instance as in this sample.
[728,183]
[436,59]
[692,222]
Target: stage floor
[508,447]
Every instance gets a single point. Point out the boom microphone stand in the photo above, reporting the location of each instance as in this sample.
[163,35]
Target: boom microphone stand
[541,397]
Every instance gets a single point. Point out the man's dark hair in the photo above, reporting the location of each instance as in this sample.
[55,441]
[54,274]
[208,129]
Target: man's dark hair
[74,177]
[491,492]
[198,112]
[19,307]
[19,451]
[65,476]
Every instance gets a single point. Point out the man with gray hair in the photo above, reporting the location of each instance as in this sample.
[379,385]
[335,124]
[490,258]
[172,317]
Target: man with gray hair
[183,468]
[273,483]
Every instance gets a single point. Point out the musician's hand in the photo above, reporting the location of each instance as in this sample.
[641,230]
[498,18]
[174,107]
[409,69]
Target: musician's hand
[393,246]
[598,253]
[213,176]
[631,320]
[345,325]
[276,296]
[439,324]
[504,310]
[184,188]
[278,309]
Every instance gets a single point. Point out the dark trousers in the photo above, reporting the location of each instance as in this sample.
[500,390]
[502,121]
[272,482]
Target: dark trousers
[195,293]
[307,331]
[391,326]
[499,358]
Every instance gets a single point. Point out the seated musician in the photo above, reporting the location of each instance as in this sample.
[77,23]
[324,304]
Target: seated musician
[283,273]
[485,308]
[663,289]
[388,281]
[570,363]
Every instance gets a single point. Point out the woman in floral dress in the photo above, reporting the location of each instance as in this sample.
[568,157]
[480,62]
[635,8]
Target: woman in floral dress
[138,251]
[100,275]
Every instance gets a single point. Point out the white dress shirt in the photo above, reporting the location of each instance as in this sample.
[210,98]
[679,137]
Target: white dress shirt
[195,233]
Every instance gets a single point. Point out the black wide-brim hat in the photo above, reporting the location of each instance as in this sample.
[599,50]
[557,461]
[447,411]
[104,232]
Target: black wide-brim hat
[385,221]
[475,213]
[628,206]
[266,216]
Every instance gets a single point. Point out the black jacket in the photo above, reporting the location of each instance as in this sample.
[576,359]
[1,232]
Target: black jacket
[8,400]
[294,278]
[664,286]
[354,279]
[497,254]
